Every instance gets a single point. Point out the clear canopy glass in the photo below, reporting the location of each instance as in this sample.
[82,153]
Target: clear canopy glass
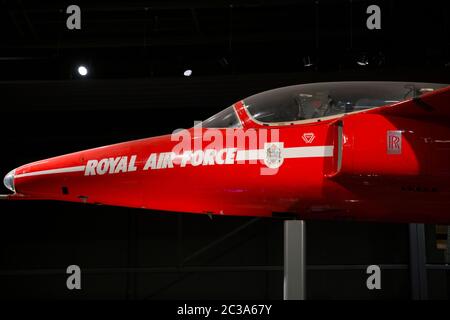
[226,118]
[316,100]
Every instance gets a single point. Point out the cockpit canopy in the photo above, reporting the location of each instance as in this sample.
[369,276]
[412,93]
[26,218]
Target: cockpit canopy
[317,100]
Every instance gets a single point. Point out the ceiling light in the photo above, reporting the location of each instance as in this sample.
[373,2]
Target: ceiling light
[82,70]
[307,62]
[362,61]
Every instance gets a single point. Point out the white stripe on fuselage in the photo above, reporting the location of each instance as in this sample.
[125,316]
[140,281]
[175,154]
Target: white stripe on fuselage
[307,152]
[241,155]
[51,171]
[287,153]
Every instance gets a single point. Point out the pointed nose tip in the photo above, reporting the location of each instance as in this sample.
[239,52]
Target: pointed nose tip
[8,181]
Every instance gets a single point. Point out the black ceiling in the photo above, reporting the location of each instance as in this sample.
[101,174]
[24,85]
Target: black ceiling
[134,39]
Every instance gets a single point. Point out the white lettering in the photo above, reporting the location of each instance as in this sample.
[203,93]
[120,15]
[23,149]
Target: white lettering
[102,166]
[122,166]
[231,154]
[112,164]
[151,162]
[185,158]
[90,168]
[131,165]
[210,155]
[197,158]
[220,157]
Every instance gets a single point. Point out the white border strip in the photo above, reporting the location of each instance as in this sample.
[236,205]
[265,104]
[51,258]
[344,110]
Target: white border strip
[249,155]
[51,171]
[287,153]
[307,152]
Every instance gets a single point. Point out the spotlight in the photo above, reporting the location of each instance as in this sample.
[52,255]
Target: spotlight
[362,61]
[187,73]
[307,62]
[82,70]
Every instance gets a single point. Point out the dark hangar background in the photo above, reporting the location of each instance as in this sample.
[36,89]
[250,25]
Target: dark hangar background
[136,53]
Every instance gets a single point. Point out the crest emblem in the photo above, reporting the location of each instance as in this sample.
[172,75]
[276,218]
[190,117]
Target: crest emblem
[273,154]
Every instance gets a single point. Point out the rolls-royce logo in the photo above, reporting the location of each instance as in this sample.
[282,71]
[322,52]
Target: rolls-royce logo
[273,154]
[394,142]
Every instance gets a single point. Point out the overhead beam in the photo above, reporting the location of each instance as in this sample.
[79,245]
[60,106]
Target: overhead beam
[38,6]
[127,40]
[195,19]
[12,16]
[28,21]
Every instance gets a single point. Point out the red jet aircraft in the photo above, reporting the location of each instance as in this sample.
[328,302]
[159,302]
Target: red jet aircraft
[372,151]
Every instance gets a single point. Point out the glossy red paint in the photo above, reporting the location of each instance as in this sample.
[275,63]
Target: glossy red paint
[363,178]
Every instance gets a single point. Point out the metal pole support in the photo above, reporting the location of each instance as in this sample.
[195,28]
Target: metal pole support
[294,260]
[417,257]
[447,252]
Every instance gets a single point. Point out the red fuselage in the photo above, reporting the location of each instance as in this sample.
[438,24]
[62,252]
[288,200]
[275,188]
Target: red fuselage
[366,165]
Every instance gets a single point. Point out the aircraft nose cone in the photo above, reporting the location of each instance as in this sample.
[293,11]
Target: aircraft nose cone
[8,181]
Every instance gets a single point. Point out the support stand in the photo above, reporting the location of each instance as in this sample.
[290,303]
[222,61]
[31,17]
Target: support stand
[417,257]
[447,252]
[294,260]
